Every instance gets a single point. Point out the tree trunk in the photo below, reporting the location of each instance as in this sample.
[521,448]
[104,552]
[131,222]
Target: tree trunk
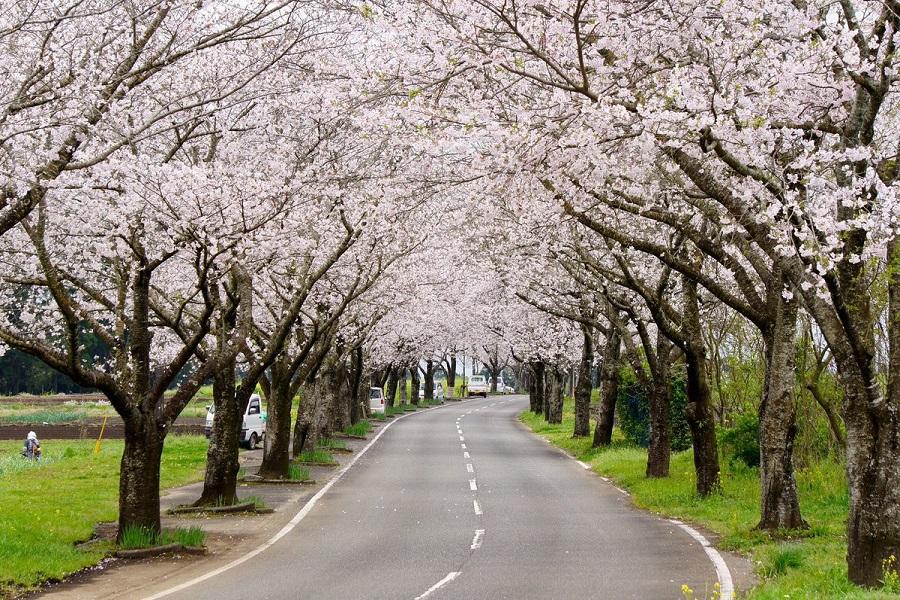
[873,444]
[220,479]
[609,390]
[139,475]
[391,392]
[834,419]
[358,407]
[401,384]
[494,375]
[554,401]
[536,387]
[583,387]
[429,381]
[780,505]
[414,384]
[699,411]
[549,377]
[659,450]
[451,376]
[276,457]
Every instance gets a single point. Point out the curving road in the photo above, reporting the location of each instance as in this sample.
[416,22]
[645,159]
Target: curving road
[463,503]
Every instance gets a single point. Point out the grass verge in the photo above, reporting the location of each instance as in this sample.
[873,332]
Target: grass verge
[46,507]
[360,429]
[809,565]
[331,444]
[298,473]
[315,456]
[138,537]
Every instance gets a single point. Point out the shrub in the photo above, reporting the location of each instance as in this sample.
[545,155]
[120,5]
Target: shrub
[633,412]
[741,441]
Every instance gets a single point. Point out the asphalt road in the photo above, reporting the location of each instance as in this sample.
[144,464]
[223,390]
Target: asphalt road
[463,503]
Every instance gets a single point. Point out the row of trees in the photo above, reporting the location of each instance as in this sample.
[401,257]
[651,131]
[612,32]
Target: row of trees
[305,191]
[656,161]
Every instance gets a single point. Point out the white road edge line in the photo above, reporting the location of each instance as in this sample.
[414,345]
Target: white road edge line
[310,504]
[726,591]
[473,486]
[476,541]
[584,465]
[450,577]
[477,508]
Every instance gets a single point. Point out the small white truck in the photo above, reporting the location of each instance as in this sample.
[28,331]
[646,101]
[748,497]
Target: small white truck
[478,386]
[253,427]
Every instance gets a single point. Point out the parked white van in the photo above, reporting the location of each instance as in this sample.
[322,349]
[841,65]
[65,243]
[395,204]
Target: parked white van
[376,400]
[253,427]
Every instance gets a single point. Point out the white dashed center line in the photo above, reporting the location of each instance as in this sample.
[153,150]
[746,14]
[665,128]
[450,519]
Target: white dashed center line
[463,446]
[466,455]
[476,541]
[469,468]
[472,485]
[477,508]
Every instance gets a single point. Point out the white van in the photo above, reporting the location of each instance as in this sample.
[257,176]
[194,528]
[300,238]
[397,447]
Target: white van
[376,400]
[253,427]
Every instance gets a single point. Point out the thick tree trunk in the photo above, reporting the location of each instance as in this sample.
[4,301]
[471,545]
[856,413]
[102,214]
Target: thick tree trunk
[139,475]
[873,446]
[401,385]
[609,390]
[358,406]
[554,400]
[780,505]
[276,457]
[220,479]
[583,387]
[429,381]
[312,421]
[414,384]
[699,411]
[391,391]
[659,450]
[451,376]
[536,387]
[549,377]
[494,375]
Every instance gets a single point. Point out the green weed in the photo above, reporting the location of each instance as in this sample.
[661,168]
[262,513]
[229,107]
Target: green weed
[298,473]
[139,537]
[360,429]
[49,417]
[315,456]
[331,444]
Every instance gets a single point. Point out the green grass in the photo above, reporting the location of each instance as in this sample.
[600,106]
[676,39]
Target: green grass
[257,501]
[331,444]
[315,456]
[138,537]
[298,473]
[52,416]
[360,429]
[809,565]
[397,409]
[46,507]
[378,416]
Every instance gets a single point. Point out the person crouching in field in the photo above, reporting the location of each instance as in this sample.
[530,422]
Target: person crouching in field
[32,448]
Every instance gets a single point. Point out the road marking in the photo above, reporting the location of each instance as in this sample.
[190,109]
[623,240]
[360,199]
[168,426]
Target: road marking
[307,508]
[462,439]
[476,541]
[466,455]
[477,508]
[583,465]
[726,591]
[621,490]
[450,577]
[463,446]
[472,485]
[469,468]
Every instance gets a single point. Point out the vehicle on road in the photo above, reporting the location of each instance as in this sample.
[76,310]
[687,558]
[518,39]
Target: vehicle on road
[253,426]
[503,387]
[478,386]
[376,400]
